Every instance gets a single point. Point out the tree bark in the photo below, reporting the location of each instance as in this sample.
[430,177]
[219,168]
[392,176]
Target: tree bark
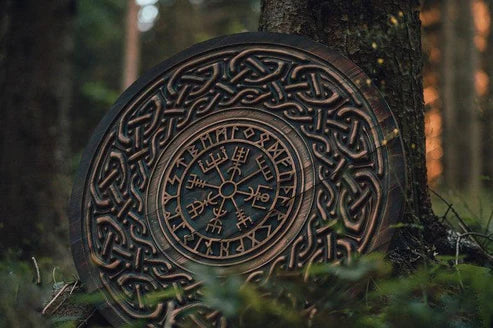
[383,37]
[35,93]
[131,52]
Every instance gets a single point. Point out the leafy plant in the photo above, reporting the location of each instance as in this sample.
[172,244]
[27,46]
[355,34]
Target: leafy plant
[363,293]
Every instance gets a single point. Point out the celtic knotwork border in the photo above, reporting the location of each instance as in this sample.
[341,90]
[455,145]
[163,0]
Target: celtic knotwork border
[342,119]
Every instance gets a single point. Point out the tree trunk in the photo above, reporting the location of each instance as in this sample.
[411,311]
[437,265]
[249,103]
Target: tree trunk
[449,110]
[488,108]
[132,46]
[35,93]
[384,38]
[468,121]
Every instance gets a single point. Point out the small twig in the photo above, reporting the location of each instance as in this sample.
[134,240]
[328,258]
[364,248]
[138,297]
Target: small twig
[444,216]
[464,226]
[54,298]
[459,237]
[38,275]
[53,274]
[489,222]
[487,228]
[86,319]
[73,287]
[452,209]
[60,304]
[74,284]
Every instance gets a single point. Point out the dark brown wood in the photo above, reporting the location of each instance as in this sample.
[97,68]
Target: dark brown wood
[244,153]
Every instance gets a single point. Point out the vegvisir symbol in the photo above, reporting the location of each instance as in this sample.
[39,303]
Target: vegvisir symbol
[228,189]
[230,181]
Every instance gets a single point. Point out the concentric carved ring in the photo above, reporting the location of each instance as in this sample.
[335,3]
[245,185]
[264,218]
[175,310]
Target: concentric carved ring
[245,153]
[226,190]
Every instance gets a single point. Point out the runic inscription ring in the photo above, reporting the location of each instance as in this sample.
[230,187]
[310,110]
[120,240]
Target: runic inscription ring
[245,153]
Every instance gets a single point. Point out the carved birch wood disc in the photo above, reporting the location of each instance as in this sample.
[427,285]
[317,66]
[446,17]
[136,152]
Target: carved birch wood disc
[245,153]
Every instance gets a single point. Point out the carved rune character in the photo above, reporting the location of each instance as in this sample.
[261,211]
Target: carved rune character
[167,197]
[209,251]
[214,160]
[285,161]
[168,216]
[190,237]
[206,140]
[192,150]
[181,162]
[195,181]
[221,134]
[197,207]
[258,196]
[276,150]
[179,226]
[264,137]
[253,241]
[214,226]
[249,132]
[264,168]
[240,157]
[174,179]
[286,176]
[243,220]
[224,248]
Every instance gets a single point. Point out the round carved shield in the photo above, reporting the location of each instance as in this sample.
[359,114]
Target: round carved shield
[245,153]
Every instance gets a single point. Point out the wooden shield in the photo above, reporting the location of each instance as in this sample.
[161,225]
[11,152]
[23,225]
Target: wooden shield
[243,153]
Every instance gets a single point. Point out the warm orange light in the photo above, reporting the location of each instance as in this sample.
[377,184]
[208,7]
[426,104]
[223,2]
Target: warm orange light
[433,126]
[434,150]
[481,17]
[482,23]
[481,82]
[430,95]
[480,42]
[431,78]
[430,16]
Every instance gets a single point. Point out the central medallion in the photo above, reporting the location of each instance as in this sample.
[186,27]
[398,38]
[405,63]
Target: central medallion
[229,187]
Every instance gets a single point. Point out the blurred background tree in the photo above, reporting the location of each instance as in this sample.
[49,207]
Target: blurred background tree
[36,88]
[458,84]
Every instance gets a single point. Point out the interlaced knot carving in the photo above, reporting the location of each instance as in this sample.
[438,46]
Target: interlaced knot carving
[342,138]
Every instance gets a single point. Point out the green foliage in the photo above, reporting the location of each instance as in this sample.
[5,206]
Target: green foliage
[362,293]
[99,42]
[98,92]
[20,298]
[26,289]
[467,213]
